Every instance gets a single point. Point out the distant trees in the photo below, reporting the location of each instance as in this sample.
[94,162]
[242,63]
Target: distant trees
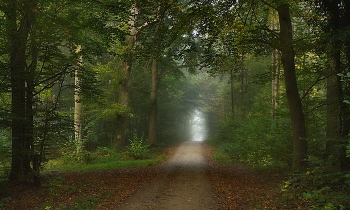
[239,30]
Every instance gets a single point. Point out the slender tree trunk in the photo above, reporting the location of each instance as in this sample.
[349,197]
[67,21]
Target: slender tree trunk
[294,101]
[78,114]
[152,133]
[78,108]
[125,82]
[275,71]
[232,95]
[35,157]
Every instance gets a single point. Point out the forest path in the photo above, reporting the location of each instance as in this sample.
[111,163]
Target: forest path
[182,183]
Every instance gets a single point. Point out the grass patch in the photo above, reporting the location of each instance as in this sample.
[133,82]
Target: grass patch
[111,165]
[102,159]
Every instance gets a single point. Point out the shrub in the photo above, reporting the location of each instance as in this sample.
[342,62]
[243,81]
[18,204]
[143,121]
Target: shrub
[138,148]
[321,185]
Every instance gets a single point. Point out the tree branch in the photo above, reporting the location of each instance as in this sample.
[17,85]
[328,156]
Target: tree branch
[313,84]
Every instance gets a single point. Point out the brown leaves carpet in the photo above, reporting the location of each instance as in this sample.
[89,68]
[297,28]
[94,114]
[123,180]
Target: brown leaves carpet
[235,186]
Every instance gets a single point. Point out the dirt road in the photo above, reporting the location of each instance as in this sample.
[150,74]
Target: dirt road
[182,184]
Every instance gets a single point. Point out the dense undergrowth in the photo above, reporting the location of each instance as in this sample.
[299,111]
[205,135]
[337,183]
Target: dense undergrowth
[136,154]
[320,186]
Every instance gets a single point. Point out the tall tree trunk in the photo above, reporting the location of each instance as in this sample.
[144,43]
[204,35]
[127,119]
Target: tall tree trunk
[78,114]
[337,125]
[294,101]
[345,112]
[333,113]
[35,157]
[125,82]
[334,91]
[18,29]
[78,108]
[275,71]
[152,132]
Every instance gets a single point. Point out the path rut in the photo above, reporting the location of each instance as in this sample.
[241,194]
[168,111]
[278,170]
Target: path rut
[181,184]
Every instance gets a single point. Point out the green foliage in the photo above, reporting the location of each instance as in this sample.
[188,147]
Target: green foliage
[137,154]
[253,142]
[138,148]
[105,154]
[5,152]
[3,202]
[113,110]
[71,158]
[321,185]
[70,154]
[104,165]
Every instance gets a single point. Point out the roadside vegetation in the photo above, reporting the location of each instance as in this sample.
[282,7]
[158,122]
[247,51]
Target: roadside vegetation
[93,180]
[320,186]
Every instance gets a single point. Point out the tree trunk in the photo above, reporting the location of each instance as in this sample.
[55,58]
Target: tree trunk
[35,157]
[344,158]
[275,71]
[78,114]
[125,82]
[294,101]
[232,95]
[333,113]
[152,133]
[333,120]
[18,31]
[78,109]
[337,124]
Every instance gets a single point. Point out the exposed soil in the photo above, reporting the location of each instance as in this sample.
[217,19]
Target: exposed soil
[182,184]
[188,180]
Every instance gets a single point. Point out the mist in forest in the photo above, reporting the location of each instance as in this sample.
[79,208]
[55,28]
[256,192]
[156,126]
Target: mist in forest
[198,129]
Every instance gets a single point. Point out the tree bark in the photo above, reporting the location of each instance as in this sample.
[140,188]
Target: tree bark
[275,71]
[333,113]
[18,29]
[344,158]
[337,125]
[78,109]
[125,81]
[152,132]
[30,81]
[294,101]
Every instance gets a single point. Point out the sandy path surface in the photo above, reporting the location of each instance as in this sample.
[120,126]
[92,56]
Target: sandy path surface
[182,184]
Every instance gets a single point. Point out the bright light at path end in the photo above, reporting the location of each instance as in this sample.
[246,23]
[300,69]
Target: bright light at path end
[198,130]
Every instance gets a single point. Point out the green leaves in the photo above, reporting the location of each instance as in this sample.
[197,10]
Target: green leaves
[138,147]
[113,110]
